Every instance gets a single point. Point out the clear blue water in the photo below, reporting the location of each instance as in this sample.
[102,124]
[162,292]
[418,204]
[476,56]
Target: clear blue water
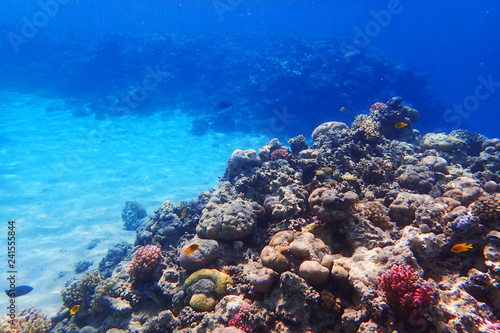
[70,70]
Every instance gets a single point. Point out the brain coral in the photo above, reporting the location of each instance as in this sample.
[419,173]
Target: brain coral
[229,221]
[144,262]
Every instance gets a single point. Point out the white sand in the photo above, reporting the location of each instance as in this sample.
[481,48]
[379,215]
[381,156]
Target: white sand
[65,180]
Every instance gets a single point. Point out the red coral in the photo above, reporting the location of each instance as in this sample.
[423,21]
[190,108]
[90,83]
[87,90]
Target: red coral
[279,154]
[377,106]
[144,261]
[242,320]
[405,291]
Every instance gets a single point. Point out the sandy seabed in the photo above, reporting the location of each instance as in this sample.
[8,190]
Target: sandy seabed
[65,180]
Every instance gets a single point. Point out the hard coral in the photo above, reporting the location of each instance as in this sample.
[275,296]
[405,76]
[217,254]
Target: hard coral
[279,154]
[144,262]
[242,320]
[405,292]
[487,208]
[29,320]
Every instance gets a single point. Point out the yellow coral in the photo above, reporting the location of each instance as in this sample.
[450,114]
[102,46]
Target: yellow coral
[220,279]
[349,177]
[201,302]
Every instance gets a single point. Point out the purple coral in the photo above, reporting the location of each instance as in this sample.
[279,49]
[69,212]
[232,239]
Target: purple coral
[279,154]
[242,320]
[405,291]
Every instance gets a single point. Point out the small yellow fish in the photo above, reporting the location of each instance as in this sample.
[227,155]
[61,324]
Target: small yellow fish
[191,249]
[461,247]
[74,309]
[342,109]
[184,211]
[400,125]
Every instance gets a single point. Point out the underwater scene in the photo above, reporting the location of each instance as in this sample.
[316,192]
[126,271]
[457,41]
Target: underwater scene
[246,166]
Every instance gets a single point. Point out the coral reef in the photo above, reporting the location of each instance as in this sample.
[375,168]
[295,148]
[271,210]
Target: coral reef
[351,234]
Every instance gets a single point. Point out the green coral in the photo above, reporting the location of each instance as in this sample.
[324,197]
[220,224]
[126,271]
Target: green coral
[202,302]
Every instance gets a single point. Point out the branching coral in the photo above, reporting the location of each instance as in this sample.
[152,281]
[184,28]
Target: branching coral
[29,320]
[81,292]
[405,292]
[144,261]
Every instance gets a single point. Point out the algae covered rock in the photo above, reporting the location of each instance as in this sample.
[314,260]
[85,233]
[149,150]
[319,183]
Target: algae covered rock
[197,253]
[232,220]
[204,287]
[441,142]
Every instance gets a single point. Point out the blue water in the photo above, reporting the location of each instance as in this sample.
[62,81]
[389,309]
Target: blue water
[106,102]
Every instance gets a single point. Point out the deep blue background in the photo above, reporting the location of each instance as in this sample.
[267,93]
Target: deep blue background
[453,42]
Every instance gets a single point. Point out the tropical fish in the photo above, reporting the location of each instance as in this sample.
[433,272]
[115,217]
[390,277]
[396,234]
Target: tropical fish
[342,109]
[152,296]
[400,125]
[224,105]
[184,211]
[191,248]
[462,247]
[74,309]
[18,291]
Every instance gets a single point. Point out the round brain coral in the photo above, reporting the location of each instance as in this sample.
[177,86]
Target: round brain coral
[144,262]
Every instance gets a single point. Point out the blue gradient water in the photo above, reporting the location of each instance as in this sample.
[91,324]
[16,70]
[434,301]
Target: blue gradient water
[68,163]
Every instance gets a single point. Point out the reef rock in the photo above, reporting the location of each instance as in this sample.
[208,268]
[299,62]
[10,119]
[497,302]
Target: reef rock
[297,300]
[441,142]
[229,221]
[330,205]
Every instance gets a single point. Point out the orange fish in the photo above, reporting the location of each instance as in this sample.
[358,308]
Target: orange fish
[184,211]
[400,125]
[463,247]
[342,109]
[191,249]
[74,309]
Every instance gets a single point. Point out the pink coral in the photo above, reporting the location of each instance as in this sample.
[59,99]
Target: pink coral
[377,106]
[279,154]
[144,261]
[242,320]
[405,291]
